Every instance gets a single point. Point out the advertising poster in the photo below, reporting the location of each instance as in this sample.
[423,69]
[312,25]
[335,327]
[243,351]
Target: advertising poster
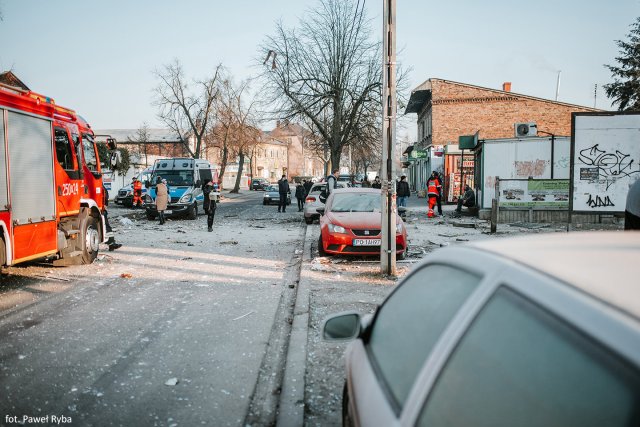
[531,193]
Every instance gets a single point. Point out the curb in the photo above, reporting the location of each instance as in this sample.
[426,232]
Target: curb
[292,405]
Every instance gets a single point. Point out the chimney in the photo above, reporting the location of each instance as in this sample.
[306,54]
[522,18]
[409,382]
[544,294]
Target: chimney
[506,86]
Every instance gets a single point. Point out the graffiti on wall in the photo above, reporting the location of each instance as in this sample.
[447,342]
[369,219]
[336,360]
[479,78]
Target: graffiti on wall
[530,168]
[599,202]
[562,163]
[605,166]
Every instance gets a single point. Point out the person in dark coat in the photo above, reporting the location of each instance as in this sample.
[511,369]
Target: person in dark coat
[376,183]
[109,231]
[632,209]
[468,199]
[209,203]
[283,190]
[307,187]
[403,191]
[300,195]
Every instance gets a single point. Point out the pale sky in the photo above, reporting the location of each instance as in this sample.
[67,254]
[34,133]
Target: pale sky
[97,57]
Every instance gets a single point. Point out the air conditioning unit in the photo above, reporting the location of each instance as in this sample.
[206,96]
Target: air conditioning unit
[525,129]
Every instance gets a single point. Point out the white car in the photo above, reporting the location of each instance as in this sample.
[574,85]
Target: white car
[312,201]
[528,331]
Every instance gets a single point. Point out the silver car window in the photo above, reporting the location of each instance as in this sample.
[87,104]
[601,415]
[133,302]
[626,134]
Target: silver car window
[410,322]
[520,365]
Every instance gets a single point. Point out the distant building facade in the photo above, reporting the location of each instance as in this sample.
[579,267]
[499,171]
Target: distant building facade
[447,110]
[160,143]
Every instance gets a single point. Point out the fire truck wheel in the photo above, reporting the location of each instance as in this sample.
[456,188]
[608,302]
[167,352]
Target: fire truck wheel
[193,211]
[90,239]
[3,252]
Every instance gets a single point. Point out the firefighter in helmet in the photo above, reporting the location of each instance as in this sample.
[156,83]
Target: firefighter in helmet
[137,193]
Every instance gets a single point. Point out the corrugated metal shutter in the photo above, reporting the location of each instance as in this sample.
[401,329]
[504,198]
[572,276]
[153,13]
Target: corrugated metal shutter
[31,168]
[4,190]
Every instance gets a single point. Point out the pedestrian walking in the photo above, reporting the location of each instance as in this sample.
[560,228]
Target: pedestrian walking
[376,183]
[112,240]
[300,196]
[307,187]
[137,193]
[433,190]
[209,203]
[332,181]
[440,192]
[162,198]
[632,208]
[283,190]
[403,191]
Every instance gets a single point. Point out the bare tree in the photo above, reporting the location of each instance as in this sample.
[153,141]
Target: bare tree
[327,73]
[367,155]
[235,133]
[142,139]
[187,113]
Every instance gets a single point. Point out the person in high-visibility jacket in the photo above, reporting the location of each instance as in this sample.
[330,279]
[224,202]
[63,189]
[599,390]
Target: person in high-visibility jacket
[433,192]
[137,193]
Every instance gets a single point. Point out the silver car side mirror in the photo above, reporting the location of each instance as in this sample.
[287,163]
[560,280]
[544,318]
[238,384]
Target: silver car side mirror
[341,327]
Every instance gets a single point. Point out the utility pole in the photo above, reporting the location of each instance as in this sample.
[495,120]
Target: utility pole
[388,198]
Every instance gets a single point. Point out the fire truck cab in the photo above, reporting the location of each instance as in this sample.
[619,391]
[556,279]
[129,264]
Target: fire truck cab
[51,194]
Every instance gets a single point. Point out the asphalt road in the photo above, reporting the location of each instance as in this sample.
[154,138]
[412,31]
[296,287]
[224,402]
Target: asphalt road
[178,327]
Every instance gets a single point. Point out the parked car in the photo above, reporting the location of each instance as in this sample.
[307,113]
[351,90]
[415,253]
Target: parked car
[272,195]
[312,201]
[528,331]
[349,179]
[351,224]
[124,196]
[259,183]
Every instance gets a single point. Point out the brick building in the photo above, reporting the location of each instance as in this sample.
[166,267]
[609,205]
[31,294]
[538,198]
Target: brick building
[447,110]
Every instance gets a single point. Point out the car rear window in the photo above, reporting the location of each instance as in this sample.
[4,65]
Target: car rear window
[520,365]
[411,320]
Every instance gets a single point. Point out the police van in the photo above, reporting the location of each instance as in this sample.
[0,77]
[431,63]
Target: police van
[185,180]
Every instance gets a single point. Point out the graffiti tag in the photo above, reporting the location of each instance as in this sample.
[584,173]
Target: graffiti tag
[530,168]
[615,164]
[599,202]
[562,163]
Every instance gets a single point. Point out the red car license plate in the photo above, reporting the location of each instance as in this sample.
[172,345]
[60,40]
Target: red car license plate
[366,242]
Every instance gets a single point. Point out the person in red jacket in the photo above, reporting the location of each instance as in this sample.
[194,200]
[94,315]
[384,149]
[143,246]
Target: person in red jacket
[433,192]
[137,193]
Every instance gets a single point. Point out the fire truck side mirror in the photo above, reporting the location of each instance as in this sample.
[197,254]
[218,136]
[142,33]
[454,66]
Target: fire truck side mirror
[111,143]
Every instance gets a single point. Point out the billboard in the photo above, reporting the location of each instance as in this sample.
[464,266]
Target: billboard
[521,159]
[605,160]
[534,193]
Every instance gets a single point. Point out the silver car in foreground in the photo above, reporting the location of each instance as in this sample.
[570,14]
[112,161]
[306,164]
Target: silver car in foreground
[530,331]
[312,201]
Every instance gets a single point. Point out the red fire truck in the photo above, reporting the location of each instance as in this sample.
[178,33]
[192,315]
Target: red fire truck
[51,193]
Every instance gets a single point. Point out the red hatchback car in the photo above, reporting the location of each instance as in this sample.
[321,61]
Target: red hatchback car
[351,224]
